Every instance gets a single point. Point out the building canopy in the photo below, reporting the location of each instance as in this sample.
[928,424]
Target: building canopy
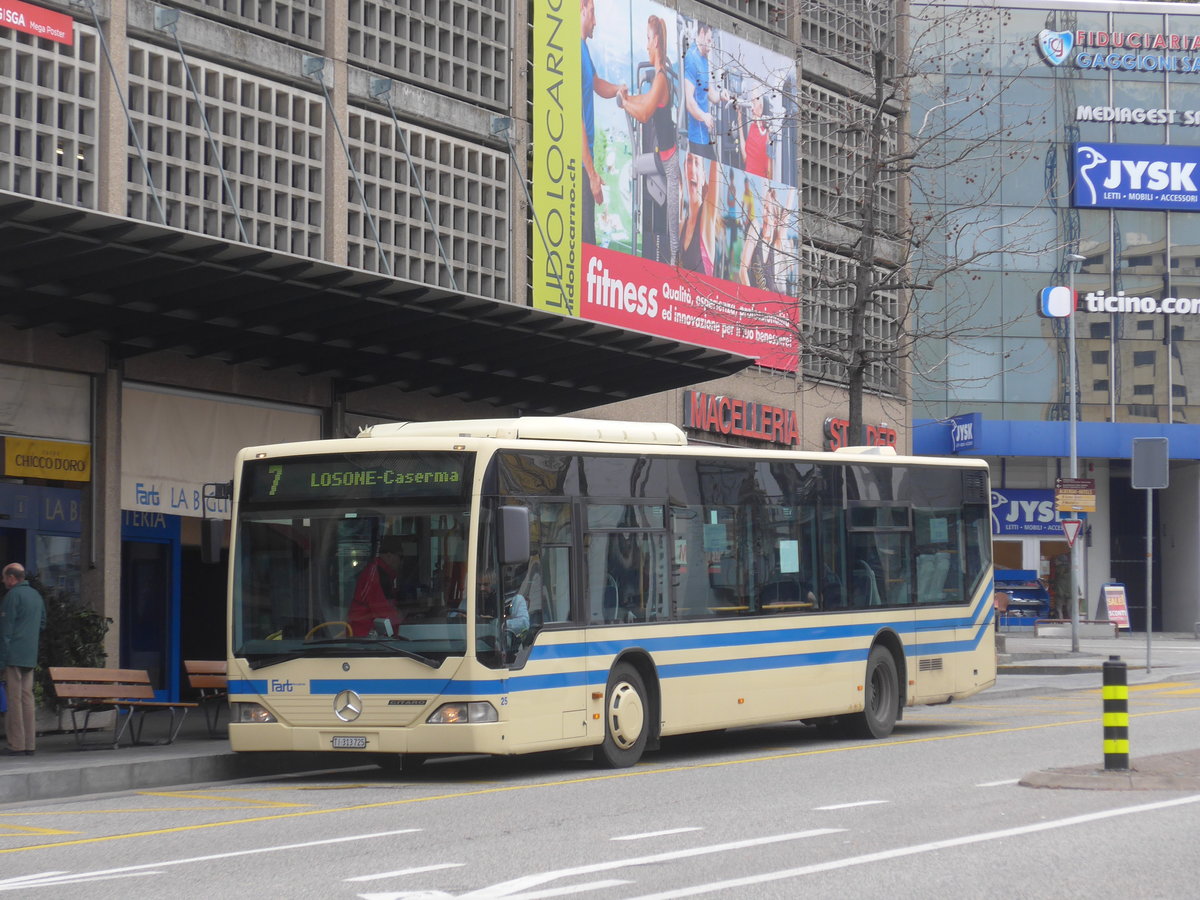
[144,288]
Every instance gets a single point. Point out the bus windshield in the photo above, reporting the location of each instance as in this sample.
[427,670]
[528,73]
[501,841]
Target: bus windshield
[357,555]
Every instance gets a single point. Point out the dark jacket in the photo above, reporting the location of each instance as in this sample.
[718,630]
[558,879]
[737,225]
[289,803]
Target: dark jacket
[22,618]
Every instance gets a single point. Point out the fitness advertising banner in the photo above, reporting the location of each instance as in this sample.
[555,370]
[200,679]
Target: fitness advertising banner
[664,177]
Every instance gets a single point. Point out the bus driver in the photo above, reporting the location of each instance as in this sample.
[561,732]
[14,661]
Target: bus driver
[377,589]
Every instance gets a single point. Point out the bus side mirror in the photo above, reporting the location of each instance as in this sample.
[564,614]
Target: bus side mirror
[212,535]
[514,535]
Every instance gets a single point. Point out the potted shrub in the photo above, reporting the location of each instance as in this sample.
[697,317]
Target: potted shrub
[74,636]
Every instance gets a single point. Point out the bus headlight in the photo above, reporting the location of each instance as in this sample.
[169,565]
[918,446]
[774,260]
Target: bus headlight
[460,713]
[252,712]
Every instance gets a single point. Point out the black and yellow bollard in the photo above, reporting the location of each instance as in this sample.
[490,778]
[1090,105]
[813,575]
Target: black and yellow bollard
[1116,715]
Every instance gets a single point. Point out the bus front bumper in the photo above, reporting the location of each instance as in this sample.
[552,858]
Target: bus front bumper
[458,738]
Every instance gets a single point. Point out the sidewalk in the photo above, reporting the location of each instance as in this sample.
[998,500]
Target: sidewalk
[59,769]
[1027,664]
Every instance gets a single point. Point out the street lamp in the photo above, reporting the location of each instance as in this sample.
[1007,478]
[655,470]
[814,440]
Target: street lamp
[1073,260]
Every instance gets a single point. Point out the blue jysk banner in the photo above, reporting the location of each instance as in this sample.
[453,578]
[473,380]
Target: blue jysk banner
[1137,176]
[1024,511]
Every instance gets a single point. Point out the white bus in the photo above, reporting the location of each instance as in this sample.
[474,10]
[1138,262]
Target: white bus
[507,586]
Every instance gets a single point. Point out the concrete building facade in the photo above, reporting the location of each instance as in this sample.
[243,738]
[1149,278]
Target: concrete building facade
[224,224]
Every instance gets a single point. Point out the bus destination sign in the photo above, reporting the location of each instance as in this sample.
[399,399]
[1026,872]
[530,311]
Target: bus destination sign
[355,476]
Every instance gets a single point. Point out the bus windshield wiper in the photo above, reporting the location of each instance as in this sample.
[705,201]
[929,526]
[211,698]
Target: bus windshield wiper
[273,660]
[389,643]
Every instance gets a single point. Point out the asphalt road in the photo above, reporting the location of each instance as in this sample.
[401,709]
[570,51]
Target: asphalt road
[765,812]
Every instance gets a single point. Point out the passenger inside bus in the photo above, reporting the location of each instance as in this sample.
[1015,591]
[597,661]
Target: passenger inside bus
[377,587]
[515,608]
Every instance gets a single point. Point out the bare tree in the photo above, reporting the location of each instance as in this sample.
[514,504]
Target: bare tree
[903,152]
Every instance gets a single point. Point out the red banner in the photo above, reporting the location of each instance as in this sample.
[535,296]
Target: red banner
[648,296]
[34,20]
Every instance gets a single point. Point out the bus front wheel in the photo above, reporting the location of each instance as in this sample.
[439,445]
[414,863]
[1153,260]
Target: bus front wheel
[626,720]
[881,698]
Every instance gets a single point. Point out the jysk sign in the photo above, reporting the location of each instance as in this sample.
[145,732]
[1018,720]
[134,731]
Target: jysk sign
[1137,176]
[1024,511]
[965,431]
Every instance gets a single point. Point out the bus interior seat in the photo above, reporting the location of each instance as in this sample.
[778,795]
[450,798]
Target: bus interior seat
[832,596]
[611,600]
[865,586]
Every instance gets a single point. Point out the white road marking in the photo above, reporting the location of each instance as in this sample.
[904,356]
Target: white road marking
[999,783]
[518,887]
[850,805]
[570,889]
[917,848]
[414,871]
[535,895]
[21,879]
[650,834]
[72,878]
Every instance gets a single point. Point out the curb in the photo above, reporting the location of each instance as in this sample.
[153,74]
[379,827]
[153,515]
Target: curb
[43,783]
[1108,780]
[1165,772]
[1048,670]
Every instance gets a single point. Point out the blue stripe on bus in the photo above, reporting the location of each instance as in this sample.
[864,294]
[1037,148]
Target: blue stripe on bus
[517,682]
[247,685]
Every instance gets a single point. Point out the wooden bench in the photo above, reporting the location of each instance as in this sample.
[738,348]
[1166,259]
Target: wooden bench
[127,691]
[208,678]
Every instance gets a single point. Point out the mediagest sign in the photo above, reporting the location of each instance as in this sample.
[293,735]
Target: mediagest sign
[34,20]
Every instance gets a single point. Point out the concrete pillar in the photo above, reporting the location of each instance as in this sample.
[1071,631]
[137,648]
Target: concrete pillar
[101,563]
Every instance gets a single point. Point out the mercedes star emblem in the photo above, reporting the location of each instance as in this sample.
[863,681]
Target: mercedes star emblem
[347,706]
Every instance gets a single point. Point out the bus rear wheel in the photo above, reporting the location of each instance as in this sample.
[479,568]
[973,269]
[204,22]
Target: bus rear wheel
[881,700]
[626,719]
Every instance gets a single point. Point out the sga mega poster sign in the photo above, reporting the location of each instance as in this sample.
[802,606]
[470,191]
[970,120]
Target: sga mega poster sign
[664,177]
[1137,176]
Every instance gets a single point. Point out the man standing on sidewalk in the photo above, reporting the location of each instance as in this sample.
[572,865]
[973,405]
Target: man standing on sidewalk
[22,618]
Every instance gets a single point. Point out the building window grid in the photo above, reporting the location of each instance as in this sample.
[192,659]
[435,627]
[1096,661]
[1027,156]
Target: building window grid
[288,19]
[467,189]
[826,322]
[834,165]
[456,46]
[48,119]
[270,137]
[770,14]
[847,30]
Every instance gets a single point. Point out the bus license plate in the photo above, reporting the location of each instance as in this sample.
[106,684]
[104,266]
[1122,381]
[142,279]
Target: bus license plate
[348,742]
